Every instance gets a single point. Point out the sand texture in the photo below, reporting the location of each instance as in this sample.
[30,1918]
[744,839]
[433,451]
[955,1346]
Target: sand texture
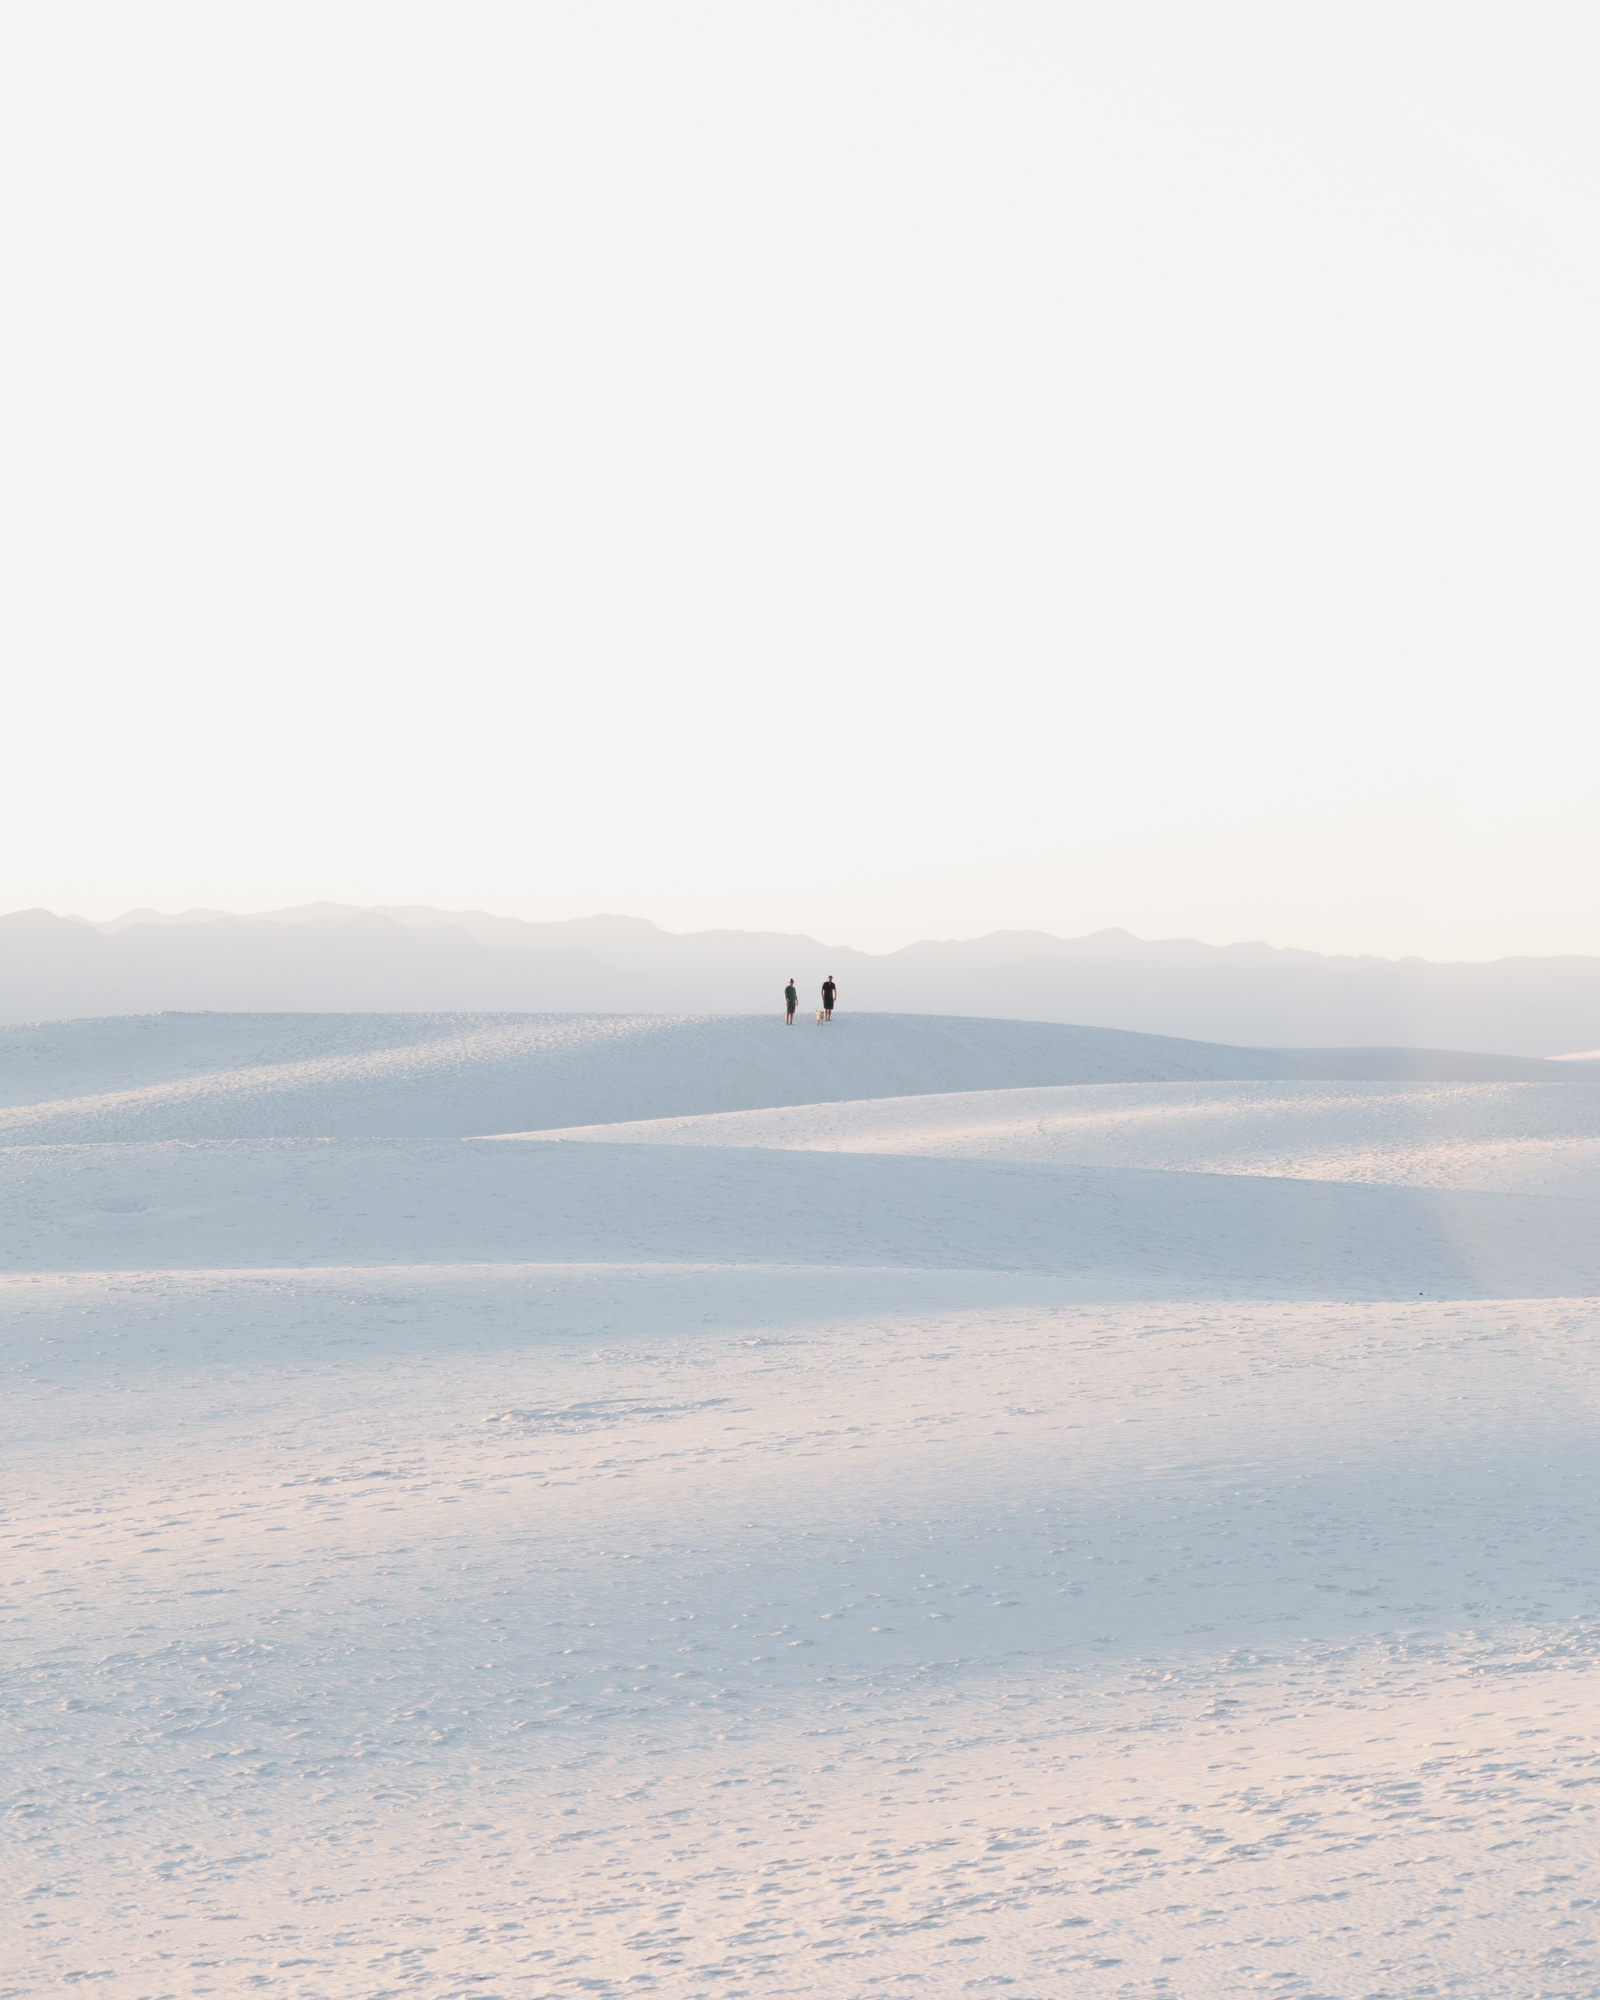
[791,1516]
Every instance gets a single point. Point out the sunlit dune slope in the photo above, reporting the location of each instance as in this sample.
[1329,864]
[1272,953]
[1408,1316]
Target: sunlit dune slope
[1495,1137]
[284,1076]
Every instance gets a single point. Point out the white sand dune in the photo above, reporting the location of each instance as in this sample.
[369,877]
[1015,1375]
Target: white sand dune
[993,1531]
[289,1076]
[1499,1137]
[1109,1233]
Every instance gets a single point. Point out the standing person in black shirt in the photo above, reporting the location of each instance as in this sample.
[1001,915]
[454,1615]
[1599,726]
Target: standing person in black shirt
[791,1000]
[830,993]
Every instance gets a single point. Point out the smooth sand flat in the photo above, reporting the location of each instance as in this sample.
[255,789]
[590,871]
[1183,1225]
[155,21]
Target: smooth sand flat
[1031,1538]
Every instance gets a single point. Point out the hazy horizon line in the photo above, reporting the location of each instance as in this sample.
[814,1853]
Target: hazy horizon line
[326,910]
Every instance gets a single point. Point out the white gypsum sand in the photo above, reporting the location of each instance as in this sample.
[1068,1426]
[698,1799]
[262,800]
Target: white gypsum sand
[1031,1536]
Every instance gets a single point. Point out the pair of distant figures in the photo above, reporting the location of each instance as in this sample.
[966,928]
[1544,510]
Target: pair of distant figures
[791,1000]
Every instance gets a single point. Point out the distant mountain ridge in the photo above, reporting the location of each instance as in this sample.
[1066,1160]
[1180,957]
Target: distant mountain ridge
[327,957]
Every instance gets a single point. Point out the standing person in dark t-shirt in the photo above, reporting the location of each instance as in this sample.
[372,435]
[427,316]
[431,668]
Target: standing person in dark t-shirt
[830,993]
[791,1000]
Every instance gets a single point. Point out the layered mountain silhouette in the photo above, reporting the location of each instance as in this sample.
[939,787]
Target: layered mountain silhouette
[334,958]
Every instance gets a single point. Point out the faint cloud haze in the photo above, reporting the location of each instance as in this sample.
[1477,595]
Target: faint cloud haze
[875,473]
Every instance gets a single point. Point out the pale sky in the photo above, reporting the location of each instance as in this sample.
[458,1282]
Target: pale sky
[879,470]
